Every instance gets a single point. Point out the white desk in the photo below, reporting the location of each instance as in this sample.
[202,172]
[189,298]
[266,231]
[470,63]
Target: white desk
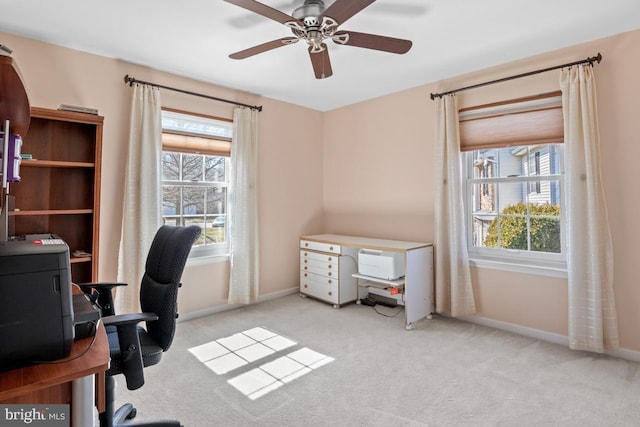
[328,271]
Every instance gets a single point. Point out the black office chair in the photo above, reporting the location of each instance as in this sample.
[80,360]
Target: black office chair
[132,347]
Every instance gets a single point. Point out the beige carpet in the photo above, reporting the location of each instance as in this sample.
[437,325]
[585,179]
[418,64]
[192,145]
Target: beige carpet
[444,372]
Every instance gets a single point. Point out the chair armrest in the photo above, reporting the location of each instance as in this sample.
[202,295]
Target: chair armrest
[130,352]
[100,285]
[105,297]
[129,319]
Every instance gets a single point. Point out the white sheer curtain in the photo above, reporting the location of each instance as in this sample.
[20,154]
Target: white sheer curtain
[592,313]
[141,214]
[243,209]
[453,291]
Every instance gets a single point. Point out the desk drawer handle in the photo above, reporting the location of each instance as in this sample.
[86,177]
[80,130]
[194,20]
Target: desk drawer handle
[330,281]
[329,266]
[330,248]
[305,274]
[329,259]
[305,285]
[306,244]
[329,274]
[330,293]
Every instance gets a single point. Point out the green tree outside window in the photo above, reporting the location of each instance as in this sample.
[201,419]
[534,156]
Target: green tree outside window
[544,223]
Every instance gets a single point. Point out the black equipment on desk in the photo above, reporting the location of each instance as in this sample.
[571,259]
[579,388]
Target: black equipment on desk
[85,316]
[36,310]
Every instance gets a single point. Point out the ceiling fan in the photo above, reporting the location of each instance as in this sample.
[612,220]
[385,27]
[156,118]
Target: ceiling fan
[315,23]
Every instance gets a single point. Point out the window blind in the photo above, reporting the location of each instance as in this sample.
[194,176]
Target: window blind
[195,144]
[523,121]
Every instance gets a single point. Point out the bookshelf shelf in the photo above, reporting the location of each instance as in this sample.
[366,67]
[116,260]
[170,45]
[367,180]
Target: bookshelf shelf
[52,212]
[36,163]
[59,190]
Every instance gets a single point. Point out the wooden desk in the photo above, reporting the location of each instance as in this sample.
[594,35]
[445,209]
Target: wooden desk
[53,382]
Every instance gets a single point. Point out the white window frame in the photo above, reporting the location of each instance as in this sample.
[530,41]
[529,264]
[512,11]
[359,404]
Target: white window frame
[526,261]
[202,127]
[521,261]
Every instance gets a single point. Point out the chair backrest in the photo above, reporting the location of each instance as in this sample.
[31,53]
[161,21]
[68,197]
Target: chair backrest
[163,272]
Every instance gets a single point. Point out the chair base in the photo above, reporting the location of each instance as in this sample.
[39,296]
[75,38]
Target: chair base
[124,413]
[123,416]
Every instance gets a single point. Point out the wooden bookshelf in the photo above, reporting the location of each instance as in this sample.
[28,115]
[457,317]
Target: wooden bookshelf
[14,103]
[59,190]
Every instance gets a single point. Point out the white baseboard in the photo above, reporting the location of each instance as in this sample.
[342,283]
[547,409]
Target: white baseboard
[278,294]
[518,329]
[184,317]
[226,307]
[622,353]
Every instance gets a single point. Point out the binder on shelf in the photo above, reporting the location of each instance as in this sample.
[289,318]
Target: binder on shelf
[10,161]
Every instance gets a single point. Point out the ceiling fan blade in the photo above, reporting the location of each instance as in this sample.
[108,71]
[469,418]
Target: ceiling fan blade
[273,44]
[263,9]
[376,42]
[321,63]
[342,10]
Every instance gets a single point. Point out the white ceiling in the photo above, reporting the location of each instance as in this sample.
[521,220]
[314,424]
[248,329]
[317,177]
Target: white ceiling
[193,38]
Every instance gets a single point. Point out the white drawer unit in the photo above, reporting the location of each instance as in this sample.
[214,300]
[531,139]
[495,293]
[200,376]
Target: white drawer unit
[326,273]
[389,271]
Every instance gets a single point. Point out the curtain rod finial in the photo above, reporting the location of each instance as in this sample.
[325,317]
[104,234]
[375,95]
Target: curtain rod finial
[593,59]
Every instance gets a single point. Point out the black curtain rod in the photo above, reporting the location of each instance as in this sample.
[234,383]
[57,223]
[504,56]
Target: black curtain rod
[591,60]
[132,80]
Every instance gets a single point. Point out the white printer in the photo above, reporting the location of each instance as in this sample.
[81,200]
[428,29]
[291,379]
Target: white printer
[381,264]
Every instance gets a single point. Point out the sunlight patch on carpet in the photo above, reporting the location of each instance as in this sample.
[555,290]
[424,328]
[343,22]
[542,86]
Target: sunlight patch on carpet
[249,347]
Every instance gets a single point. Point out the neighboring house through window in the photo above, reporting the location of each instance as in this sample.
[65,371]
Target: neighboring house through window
[513,159]
[195,177]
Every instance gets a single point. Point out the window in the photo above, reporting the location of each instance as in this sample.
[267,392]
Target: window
[513,190]
[195,172]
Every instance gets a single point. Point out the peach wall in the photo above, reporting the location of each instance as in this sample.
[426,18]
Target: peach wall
[290,175]
[290,149]
[522,299]
[378,176]
[378,161]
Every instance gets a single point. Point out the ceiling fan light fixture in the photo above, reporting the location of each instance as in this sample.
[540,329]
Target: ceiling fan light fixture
[310,9]
[315,31]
